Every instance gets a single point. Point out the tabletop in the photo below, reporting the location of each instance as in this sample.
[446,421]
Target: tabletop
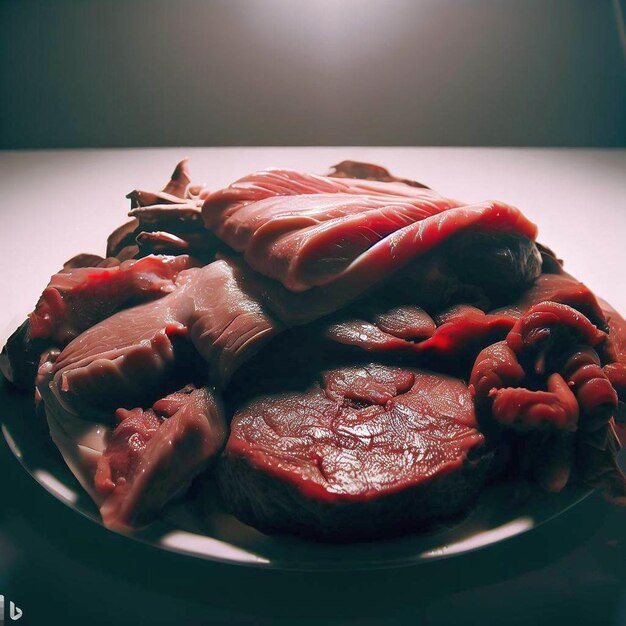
[62,568]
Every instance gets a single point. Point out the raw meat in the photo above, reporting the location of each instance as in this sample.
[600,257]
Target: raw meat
[87,290]
[366,451]
[309,231]
[153,455]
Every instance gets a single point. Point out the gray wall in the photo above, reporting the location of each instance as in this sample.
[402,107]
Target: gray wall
[310,72]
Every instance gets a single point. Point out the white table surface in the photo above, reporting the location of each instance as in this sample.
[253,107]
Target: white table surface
[52,562]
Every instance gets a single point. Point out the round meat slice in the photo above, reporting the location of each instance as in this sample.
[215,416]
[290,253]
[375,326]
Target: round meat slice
[366,451]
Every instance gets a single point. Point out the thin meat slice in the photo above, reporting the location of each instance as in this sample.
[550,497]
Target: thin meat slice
[223,204]
[407,322]
[462,332]
[77,298]
[153,455]
[382,327]
[87,290]
[366,451]
[247,227]
[310,239]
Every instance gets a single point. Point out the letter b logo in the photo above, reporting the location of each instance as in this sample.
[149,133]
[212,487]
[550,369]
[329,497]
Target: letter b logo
[14,612]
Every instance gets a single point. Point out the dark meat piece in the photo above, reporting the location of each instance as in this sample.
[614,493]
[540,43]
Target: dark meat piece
[19,358]
[122,239]
[165,222]
[550,262]
[368,171]
[371,450]
[503,265]
[88,260]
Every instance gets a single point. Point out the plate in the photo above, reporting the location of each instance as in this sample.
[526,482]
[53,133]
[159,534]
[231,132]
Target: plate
[503,511]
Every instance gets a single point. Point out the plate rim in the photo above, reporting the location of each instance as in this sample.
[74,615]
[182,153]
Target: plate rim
[578,495]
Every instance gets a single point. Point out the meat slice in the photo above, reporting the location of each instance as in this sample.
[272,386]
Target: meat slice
[225,203]
[308,231]
[153,455]
[138,353]
[367,451]
[368,171]
[463,330]
[76,299]
[87,290]
[132,469]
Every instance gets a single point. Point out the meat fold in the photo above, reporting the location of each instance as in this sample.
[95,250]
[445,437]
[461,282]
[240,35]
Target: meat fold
[548,379]
[205,327]
[307,231]
[363,452]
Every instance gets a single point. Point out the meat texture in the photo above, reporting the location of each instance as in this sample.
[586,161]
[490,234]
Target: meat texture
[364,452]
[78,297]
[307,231]
[372,343]
[153,455]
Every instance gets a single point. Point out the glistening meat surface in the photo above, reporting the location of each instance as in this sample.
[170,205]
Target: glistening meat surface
[365,451]
[289,229]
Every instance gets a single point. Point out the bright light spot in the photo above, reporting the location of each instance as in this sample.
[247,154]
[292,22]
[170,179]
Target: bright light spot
[55,486]
[484,538]
[11,442]
[198,544]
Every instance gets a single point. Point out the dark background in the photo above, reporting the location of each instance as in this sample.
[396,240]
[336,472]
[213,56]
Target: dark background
[98,73]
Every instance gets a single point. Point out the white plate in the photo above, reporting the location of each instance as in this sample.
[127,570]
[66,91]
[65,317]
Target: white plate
[503,511]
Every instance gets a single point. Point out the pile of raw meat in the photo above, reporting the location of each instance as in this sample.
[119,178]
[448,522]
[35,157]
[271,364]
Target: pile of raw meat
[345,356]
